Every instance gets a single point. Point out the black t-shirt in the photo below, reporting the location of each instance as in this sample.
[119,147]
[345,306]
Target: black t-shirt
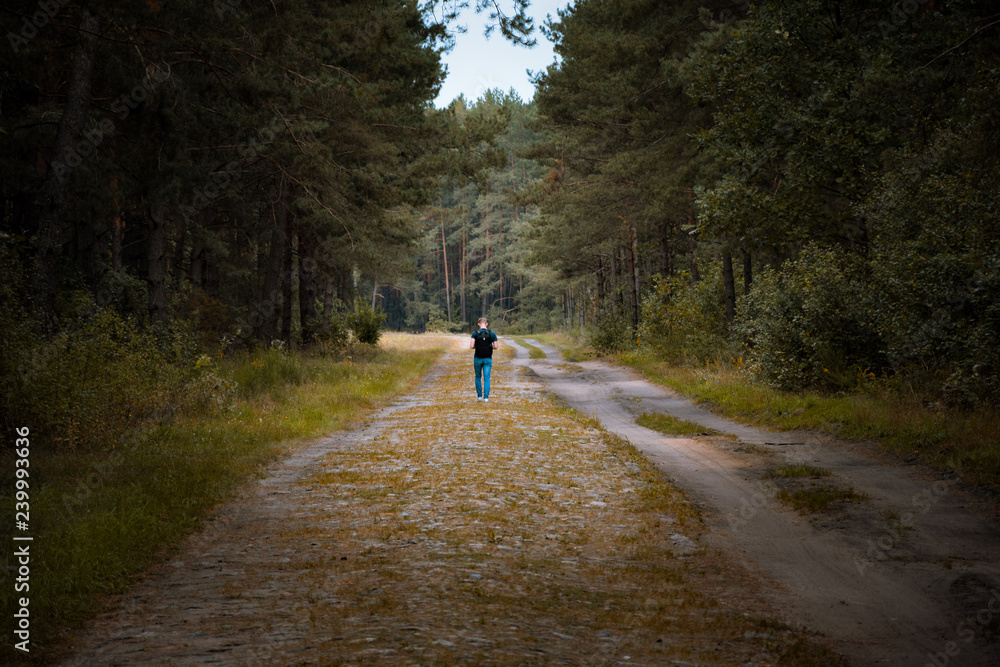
[484,343]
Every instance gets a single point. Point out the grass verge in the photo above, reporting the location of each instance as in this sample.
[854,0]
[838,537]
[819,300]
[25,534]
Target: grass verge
[572,345]
[668,425]
[99,519]
[965,441]
[533,351]
[798,470]
[818,498]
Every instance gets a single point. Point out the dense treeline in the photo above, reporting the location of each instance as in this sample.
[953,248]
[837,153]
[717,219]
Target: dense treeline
[474,258]
[181,178]
[809,188]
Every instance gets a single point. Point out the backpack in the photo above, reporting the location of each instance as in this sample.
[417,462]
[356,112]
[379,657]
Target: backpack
[484,343]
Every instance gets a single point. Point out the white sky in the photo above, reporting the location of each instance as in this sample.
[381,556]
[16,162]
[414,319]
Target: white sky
[476,64]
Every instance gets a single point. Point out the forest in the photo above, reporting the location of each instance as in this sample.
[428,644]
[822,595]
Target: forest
[807,190]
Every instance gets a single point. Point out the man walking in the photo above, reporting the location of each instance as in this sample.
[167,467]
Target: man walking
[483,342]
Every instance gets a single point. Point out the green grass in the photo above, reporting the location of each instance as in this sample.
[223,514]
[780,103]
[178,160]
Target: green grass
[572,346]
[533,351]
[798,470]
[818,498]
[967,441]
[100,519]
[668,425]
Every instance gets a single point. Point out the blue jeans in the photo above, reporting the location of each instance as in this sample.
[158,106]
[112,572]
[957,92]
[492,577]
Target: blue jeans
[483,366]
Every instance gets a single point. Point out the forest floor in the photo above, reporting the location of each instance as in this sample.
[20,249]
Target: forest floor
[447,531]
[902,566]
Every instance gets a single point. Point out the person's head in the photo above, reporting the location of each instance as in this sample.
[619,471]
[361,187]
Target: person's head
[482,322]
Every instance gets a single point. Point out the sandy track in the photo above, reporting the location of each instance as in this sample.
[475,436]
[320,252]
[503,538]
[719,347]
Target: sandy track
[909,577]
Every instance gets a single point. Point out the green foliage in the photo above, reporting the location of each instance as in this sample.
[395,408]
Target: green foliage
[819,497]
[436,323]
[804,326]
[99,378]
[935,291]
[365,323]
[266,372]
[613,330]
[685,320]
[669,425]
[333,334]
[207,319]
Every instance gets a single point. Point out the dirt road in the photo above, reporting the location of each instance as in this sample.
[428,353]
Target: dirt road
[451,532]
[909,576]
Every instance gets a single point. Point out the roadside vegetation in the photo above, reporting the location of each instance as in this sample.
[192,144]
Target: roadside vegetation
[534,352]
[108,501]
[817,498]
[911,425]
[668,425]
[905,419]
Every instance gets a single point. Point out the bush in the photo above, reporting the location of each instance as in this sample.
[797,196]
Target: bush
[440,324]
[333,333]
[935,288]
[806,326]
[685,321]
[613,330]
[366,323]
[95,380]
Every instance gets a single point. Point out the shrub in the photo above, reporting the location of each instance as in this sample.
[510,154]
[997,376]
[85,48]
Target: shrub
[366,323]
[93,381]
[684,320]
[613,330]
[332,332]
[935,288]
[436,323]
[805,325]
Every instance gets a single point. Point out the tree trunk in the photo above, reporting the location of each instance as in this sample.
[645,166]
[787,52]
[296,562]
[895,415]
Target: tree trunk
[307,288]
[747,271]
[268,307]
[728,284]
[197,261]
[51,225]
[156,265]
[327,303]
[600,280]
[633,250]
[286,285]
[695,276]
[463,268]
[447,282]
[666,267]
[180,248]
[117,232]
